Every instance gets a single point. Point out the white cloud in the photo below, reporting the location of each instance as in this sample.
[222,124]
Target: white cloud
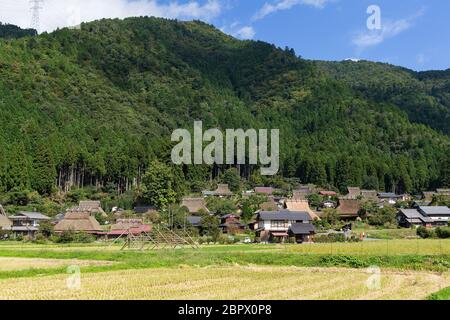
[389,29]
[238,31]
[58,14]
[269,8]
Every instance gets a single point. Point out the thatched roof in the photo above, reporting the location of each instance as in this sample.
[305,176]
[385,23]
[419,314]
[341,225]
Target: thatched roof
[353,193]
[264,190]
[195,205]
[223,190]
[269,205]
[369,194]
[302,192]
[5,223]
[78,222]
[349,208]
[301,205]
[91,207]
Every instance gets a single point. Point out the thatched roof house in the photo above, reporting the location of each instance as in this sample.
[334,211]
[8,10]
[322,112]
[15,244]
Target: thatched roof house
[223,190]
[302,206]
[5,223]
[269,205]
[91,207]
[349,208]
[353,193]
[369,194]
[195,205]
[78,222]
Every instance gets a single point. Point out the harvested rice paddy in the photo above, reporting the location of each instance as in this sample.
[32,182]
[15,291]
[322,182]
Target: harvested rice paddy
[15,264]
[230,283]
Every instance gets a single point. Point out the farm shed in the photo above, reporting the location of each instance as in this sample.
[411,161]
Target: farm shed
[78,222]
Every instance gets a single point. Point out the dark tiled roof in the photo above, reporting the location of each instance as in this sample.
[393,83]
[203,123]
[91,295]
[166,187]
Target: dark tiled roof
[284,215]
[195,221]
[302,228]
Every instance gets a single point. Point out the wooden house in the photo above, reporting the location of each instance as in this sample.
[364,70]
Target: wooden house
[424,216]
[275,225]
[231,224]
[27,223]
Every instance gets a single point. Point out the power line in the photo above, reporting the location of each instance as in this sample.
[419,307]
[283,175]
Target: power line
[35,7]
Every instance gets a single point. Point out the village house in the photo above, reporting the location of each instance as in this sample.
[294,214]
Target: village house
[195,205]
[125,227]
[301,206]
[27,223]
[412,217]
[302,193]
[77,221]
[424,216]
[264,190]
[278,225]
[348,209]
[231,224]
[90,206]
[369,195]
[390,198]
[329,194]
[222,191]
[353,193]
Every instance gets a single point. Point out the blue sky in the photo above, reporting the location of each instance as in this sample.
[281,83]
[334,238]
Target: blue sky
[412,33]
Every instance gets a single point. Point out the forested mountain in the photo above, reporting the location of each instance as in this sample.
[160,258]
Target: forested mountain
[10,31]
[93,106]
[424,96]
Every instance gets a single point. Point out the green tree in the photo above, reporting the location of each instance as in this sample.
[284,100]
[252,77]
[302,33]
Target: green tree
[232,178]
[44,172]
[158,185]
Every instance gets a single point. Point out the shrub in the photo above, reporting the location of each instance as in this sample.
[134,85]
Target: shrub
[424,233]
[443,233]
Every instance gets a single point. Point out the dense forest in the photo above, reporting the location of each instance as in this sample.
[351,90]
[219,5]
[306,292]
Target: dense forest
[96,106]
[10,31]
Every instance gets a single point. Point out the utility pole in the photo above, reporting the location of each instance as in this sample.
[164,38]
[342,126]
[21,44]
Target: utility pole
[35,7]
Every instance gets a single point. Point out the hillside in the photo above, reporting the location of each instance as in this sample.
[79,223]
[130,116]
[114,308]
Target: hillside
[93,106]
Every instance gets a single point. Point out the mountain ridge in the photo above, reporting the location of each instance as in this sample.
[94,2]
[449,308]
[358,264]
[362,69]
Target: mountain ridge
[102,101]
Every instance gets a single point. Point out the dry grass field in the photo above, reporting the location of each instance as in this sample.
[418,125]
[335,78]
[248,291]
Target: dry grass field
[14,264]
[229,283]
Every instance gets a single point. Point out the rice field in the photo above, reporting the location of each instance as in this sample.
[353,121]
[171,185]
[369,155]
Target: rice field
[375,247]
[16,264]
[230,283]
